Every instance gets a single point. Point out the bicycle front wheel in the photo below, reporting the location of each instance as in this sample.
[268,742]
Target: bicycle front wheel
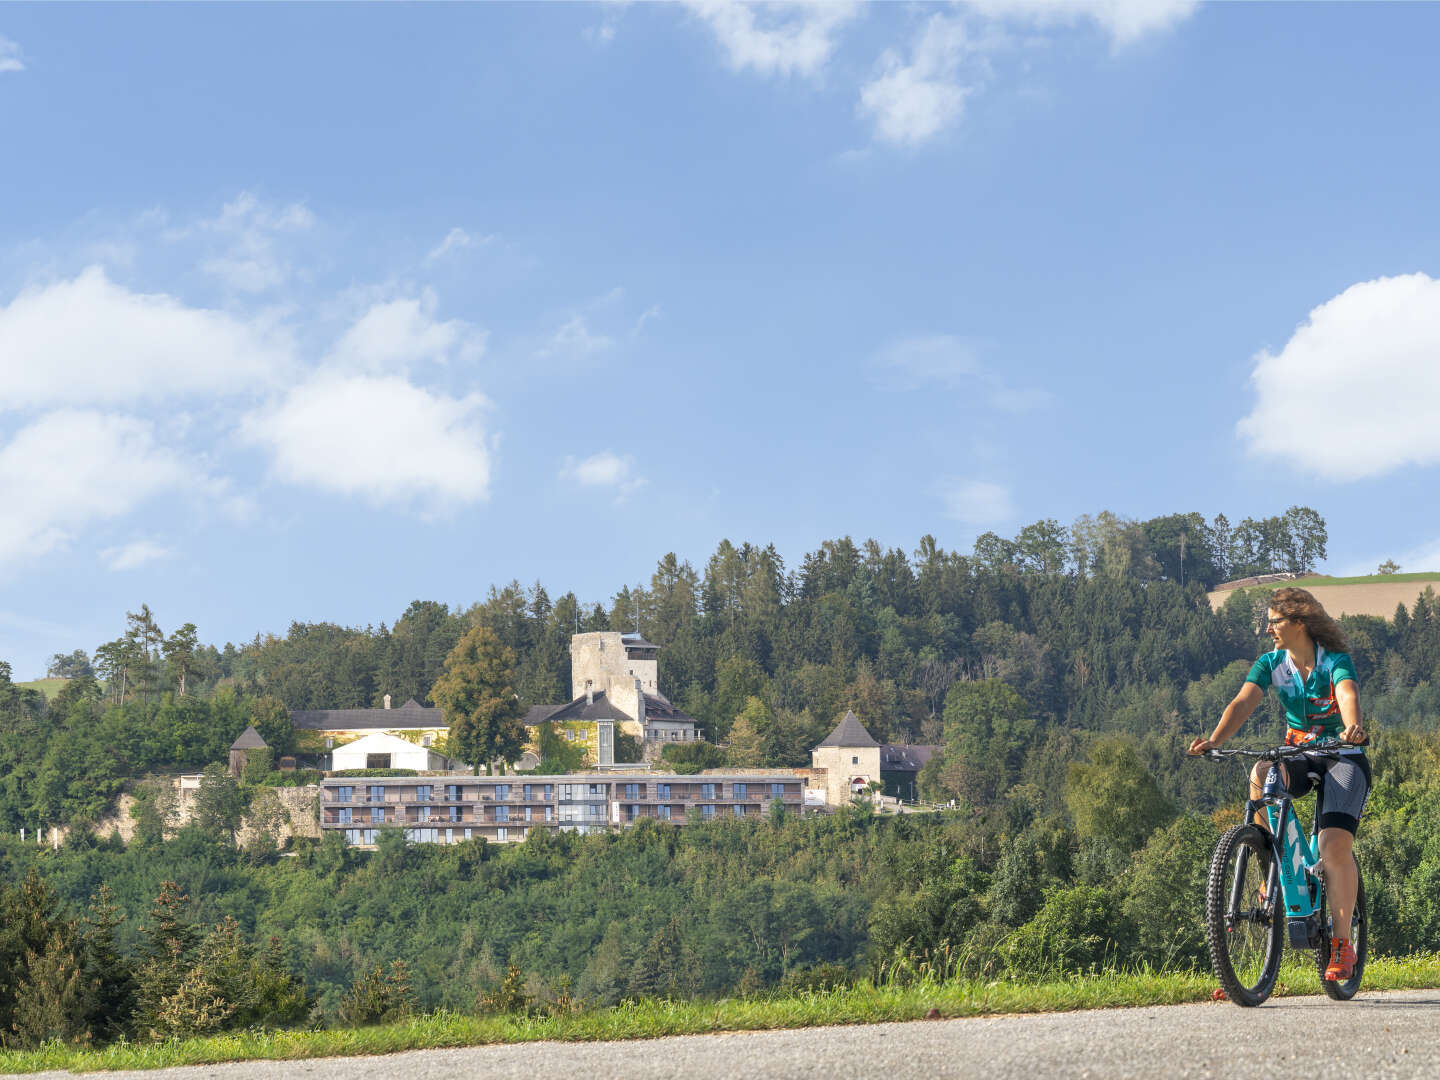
[1244,922]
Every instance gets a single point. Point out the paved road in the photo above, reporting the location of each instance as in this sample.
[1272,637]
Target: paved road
[1376,1036]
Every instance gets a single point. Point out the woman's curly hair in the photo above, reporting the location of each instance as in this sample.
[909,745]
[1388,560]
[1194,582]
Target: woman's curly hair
[1301,605]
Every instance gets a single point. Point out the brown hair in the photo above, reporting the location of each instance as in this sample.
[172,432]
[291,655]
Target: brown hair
[1301,605]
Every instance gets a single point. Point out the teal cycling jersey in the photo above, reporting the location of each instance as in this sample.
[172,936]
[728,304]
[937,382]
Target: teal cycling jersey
[1311,710]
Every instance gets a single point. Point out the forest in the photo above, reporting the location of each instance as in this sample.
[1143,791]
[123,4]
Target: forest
[1061,671]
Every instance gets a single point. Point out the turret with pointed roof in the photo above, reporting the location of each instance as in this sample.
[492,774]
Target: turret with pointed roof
[240,749]
[849,732]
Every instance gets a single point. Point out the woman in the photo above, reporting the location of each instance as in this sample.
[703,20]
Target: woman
[1314,678]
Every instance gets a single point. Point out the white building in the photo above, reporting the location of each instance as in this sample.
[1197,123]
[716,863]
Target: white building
[382,751]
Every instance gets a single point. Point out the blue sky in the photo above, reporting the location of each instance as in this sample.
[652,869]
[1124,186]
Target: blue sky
[307,312]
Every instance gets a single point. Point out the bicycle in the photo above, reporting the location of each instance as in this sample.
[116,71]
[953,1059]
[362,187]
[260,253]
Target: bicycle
[1267,887]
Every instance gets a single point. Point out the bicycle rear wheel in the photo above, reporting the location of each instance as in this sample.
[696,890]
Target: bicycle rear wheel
[1359,937]
[1244,923]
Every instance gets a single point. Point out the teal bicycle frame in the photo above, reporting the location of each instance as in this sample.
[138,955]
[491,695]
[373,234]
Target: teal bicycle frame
[1296,856]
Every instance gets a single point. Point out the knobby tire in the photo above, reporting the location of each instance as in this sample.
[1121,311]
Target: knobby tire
[1246,937]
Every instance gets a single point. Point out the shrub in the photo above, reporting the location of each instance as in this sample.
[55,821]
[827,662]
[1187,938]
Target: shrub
[378,997]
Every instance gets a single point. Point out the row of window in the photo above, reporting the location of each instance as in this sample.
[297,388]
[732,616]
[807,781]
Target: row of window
[423,793]
[345,815]
[671,813]
[431,836]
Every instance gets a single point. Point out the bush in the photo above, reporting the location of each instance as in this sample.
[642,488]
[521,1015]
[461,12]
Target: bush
[378,997]
[1079,929]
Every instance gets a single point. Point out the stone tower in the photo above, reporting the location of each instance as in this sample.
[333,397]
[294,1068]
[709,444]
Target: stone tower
[624,667]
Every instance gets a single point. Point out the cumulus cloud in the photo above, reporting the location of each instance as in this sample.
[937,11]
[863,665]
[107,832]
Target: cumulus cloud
[977,503]
[135,554]
[10,56]
[912,99]
[378,437]
[1126,21]
[606,470]
[775,38]
[73,468]
[397,334]
[1360,378]
[89,340]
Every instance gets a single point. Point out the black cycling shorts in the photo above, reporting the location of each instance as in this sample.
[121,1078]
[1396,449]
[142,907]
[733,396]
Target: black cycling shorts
[1346,787]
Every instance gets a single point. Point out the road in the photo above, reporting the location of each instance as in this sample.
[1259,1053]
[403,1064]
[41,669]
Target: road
[1394,1035]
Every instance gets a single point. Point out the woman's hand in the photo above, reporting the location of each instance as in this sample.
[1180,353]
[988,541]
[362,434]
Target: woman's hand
[1199,746]
[1355,735]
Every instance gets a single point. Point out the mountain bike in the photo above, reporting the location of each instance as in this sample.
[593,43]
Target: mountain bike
[1267,887]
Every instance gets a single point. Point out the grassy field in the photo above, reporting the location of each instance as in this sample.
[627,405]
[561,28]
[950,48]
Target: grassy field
[1366,579]
[48,687]
[860,1004]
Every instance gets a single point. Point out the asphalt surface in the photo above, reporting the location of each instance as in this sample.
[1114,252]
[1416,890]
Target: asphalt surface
[1375,1036]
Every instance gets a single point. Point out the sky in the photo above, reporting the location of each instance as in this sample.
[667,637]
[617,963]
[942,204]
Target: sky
[307,312]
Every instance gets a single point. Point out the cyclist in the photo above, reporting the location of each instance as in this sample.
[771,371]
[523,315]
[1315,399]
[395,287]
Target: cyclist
[1314,677]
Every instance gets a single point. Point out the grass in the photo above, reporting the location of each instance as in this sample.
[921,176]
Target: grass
[48,687]
[1366,579]
[860,1004]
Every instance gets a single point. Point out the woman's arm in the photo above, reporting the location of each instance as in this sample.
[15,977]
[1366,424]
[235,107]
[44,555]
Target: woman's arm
[1347,696]
[1236,713]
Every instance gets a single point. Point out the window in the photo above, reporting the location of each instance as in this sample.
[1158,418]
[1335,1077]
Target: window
[454,813]
[421,836]
[377,761]
[449,836]
[502,833]
[528,791]
[707,791]
[528,809]
[469,834]
[632,791]
[664,813]
[377,815]
[739,791]
[427,740]
[707,811]
[596,810]
[376,793]
[739,811]
[502,791]
[549,813]
[549,791]
[854,759]
[452,792]
[342,816]
[777,791]
[597,789]
[344,794]
[422,793]
[502,813]
[424,813]
[566,791]
[329,742]
[662,791]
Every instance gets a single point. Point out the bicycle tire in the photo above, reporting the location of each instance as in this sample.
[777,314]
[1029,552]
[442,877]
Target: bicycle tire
[1359,936]
[1245,943]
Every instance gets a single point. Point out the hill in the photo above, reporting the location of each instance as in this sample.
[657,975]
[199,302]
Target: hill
[1374,594]
[48,687]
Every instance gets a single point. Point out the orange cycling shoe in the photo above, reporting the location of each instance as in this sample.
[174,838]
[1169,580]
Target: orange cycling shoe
[1342,961]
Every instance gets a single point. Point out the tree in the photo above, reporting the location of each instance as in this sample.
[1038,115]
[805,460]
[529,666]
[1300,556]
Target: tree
[1114,798]
[115,662]
[477,692]
[1389,566]
[219,802]
[747,734]
[69,665]
[179,649]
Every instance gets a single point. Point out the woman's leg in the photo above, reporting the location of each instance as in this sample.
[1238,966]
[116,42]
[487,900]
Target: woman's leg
[1342,880]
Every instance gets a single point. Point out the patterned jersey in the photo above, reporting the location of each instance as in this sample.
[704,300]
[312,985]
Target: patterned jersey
[1311,711]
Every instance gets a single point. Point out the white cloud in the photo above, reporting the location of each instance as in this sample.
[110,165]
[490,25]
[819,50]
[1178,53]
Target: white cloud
[381,438]
[775,38]
[1355,391]
[1126,21]
[89,340]
[604,470]
[952,362]
[10,56]
[574,337]
[249,234]
[909,102]
[71,468]
[977,503]
[396,334]
[457,239]
[135,554]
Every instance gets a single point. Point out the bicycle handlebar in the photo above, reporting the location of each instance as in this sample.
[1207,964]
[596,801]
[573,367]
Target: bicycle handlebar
[1327,748]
